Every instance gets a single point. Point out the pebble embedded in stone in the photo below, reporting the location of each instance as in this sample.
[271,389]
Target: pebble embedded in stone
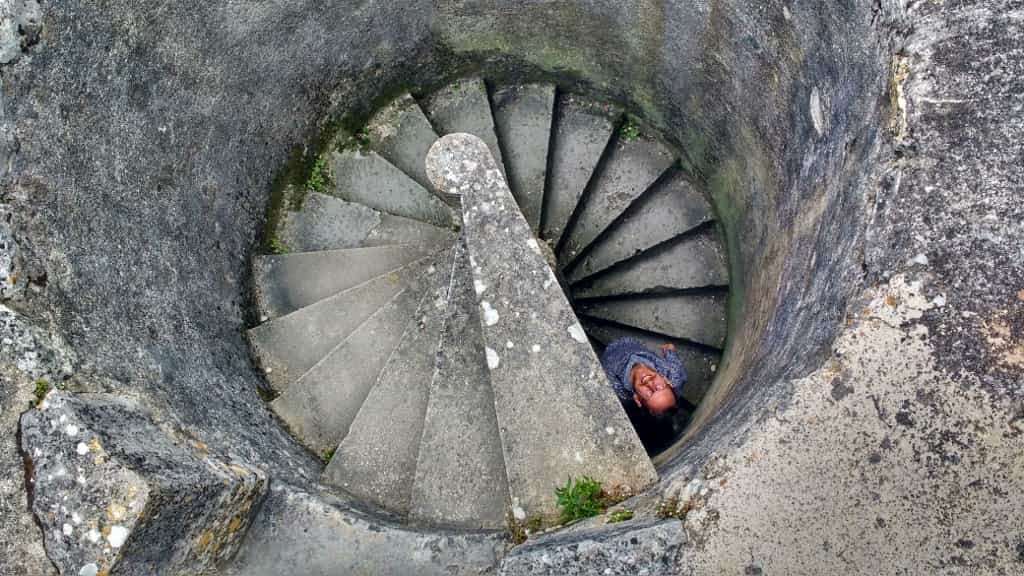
[71,430]
[535,348]
[68,529]
[610,431]
[93,535]
[82,449]
[490,314]
[518,513]
[479,286]
[89,570]
[920,259]
[509,345]
[577,333]
[118,535]
[492,358]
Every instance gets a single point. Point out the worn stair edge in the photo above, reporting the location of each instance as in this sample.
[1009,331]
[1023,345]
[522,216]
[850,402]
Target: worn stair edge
[380,467]
[582,132]
[549,431]
[329,223]
[464,106]
[699,318]
[402,135]
[288,346]
[460,477]
[522,118]
[283,283]
[701,363]
[299,533]
[671,208]
[321,405]
[695,261]
[366,178]
[631,167]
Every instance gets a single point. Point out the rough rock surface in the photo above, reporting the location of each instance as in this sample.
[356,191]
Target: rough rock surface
[113,491]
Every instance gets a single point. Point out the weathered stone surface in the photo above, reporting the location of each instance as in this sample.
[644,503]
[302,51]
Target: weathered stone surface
[288,346]
[700,363]
[12,280]
[580,137]
[638,548]
[402,135]
[630,168]
[534,346]
[377,459]
[300,533]
[673,207]
[320,406]
[696,261]
[366,178]
[20,24]
[522,118]
[464,106]
[286,282]
[694,317]
[114,492]
[328,223]
[460,474]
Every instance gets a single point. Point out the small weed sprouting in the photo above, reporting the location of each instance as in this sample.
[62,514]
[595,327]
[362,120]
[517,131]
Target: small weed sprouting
[630,131]
[328,455]
[42,387]
[277,246]
[318,176]
[620,516]
[582,498]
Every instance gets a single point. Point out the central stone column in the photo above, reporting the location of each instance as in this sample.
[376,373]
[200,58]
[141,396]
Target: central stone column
[558,416]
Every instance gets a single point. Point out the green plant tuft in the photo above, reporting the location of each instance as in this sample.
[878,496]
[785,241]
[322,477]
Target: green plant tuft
[580,498]
[277,246]
[620,515]
[328,454]
[42,387]
[318,176]
[630,131]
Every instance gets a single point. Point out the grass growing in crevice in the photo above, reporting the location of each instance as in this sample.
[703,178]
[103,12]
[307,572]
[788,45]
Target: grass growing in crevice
[580,498]
[42,387]
[630,130]
[620,516]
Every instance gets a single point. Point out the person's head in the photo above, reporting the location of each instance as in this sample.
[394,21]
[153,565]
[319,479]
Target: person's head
[652,391]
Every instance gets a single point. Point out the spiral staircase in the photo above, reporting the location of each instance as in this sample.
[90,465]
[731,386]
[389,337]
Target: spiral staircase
[439,349]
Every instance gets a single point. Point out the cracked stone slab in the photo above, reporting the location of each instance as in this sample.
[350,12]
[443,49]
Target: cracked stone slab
[402,135]
[522,117]
[464,106]
[672,208]
[631,167]
[696,261]
[329,223]
[284,283]
[366,178]
[533,346]
[581,134]
[698,318]
[116,493]
[641,547]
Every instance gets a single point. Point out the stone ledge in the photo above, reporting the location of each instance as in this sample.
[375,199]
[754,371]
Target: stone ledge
[111,488]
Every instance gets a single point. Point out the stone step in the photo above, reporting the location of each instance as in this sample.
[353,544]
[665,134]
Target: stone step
[580,136]
[630,169]
[701,363]
[366,178]
[671,208]
[699,318]
[464,106]
[328,223]
[303,534]
[288,346]
[694,261]
[284,283]
[402,135]
[558,416]
[377,459]
[522,116]
[321,405]
[460,475]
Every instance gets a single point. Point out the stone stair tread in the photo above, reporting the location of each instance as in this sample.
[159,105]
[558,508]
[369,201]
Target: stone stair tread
[402,135]
[549,431]
[522,116]
[630,169]
[367,178]
[377,459]
[290,345]
[695,261]
[698,318]
[460,476]
[286,282]
[672,207]
[701,363]
[580,136]
[321,405]
[329,223]
[463,106]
